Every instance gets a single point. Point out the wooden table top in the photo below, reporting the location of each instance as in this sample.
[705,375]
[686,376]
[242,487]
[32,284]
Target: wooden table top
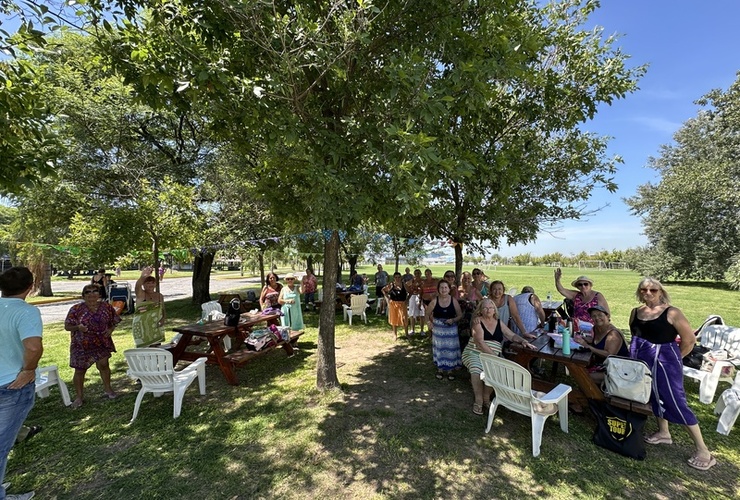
[545,348]
[218,327]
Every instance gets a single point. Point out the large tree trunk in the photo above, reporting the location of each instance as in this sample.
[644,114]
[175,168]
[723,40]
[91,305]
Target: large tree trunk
[326,368]
[202,277]
[458,261]
[352,259]
[41,278]
[261,257]
[45,288]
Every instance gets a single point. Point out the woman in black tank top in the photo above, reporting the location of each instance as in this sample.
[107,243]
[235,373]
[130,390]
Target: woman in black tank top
[488,335]
[654,326]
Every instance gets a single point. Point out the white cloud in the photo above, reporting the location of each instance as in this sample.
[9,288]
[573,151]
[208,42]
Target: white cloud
[659,124]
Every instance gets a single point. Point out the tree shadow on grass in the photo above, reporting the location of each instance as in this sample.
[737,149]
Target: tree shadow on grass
[405,434]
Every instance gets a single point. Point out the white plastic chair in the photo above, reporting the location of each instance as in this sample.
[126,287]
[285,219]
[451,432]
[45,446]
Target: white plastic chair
[154,369]
[357,308]
[728,407]
[48,376]
[208,308]
[513,386]
[379,303]
[716,337]
[212,311]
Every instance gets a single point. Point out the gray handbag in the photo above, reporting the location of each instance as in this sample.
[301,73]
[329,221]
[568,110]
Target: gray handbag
[628,378]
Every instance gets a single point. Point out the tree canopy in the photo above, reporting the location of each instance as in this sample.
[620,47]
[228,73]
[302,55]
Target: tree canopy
[691,217]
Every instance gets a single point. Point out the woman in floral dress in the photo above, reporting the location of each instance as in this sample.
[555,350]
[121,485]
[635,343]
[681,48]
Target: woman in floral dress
[91,324]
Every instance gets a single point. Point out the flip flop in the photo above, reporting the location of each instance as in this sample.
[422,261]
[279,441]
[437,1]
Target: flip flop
[111,395]
[699,464]
[35,429]
[657,440]
[439,376]
[76,404]
[477,409]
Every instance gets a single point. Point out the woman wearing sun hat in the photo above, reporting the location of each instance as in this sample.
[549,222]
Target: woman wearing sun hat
[290,300]
[583,297]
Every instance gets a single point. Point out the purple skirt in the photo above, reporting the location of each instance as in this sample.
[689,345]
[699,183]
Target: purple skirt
[668,397]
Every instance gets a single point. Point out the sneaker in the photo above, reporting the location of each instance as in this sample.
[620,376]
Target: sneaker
[20,496]
[6,485]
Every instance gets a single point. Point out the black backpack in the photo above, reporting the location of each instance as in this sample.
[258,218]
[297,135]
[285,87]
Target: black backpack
[233,315]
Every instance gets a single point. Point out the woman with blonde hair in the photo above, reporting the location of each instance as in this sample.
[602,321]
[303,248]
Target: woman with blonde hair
[654,326]
[488,336]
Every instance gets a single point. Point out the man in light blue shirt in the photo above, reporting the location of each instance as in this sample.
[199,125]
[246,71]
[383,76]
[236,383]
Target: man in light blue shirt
[20,352]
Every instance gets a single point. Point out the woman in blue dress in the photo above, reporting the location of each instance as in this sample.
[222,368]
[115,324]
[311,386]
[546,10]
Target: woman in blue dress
[442,316]
[290,300]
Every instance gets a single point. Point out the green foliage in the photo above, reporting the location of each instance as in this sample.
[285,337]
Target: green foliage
[515,158]
[691,216]
[732,276]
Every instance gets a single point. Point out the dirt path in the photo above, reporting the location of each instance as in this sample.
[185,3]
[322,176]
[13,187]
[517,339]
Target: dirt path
[172,289]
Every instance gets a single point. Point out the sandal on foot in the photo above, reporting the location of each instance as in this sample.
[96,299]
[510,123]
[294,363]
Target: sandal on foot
[76,404]
[477,409]
[440,375]
[699,464]
[110,395]
[35,429]
[450,377]
[655,439]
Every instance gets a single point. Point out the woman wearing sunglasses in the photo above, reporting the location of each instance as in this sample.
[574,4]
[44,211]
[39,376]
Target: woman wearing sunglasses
[654,327]
[584,297]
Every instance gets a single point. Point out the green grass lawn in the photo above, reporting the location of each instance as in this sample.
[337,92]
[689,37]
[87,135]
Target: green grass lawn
[392,431]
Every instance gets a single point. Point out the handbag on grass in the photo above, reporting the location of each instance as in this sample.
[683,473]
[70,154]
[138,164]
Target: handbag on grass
[628,378]
[619,430]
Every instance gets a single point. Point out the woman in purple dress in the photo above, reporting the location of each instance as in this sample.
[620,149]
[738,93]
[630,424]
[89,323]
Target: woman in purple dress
[91,324]
[655,326]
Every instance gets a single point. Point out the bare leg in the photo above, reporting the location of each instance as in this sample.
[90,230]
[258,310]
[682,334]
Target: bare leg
[478,390]
[79,383]
[104,369]
[702,452]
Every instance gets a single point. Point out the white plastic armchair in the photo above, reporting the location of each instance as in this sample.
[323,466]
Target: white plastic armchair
[716,337]
[357,308]
[48,376]
[212,311]
[513,386]
[154,369]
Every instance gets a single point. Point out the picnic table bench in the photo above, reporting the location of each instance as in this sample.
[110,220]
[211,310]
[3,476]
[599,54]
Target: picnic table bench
[214,333]
[244,356]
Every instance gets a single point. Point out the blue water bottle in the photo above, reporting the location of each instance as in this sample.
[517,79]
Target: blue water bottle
[566,340]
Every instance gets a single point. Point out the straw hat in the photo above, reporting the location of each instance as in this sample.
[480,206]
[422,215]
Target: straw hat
[582,278]
[289,276]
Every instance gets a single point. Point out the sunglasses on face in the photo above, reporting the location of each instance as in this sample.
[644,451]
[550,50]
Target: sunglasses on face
[289,279]
[651,290]
[581,285]
[86,292]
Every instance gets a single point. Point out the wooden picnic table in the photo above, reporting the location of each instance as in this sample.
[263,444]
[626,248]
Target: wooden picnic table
[345,297]
[549,306]
[214,333]
[576,363]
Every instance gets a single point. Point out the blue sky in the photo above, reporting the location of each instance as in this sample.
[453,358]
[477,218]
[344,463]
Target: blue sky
[691,47]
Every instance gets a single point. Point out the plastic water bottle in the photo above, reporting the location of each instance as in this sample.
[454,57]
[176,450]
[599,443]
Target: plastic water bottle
[566,340]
